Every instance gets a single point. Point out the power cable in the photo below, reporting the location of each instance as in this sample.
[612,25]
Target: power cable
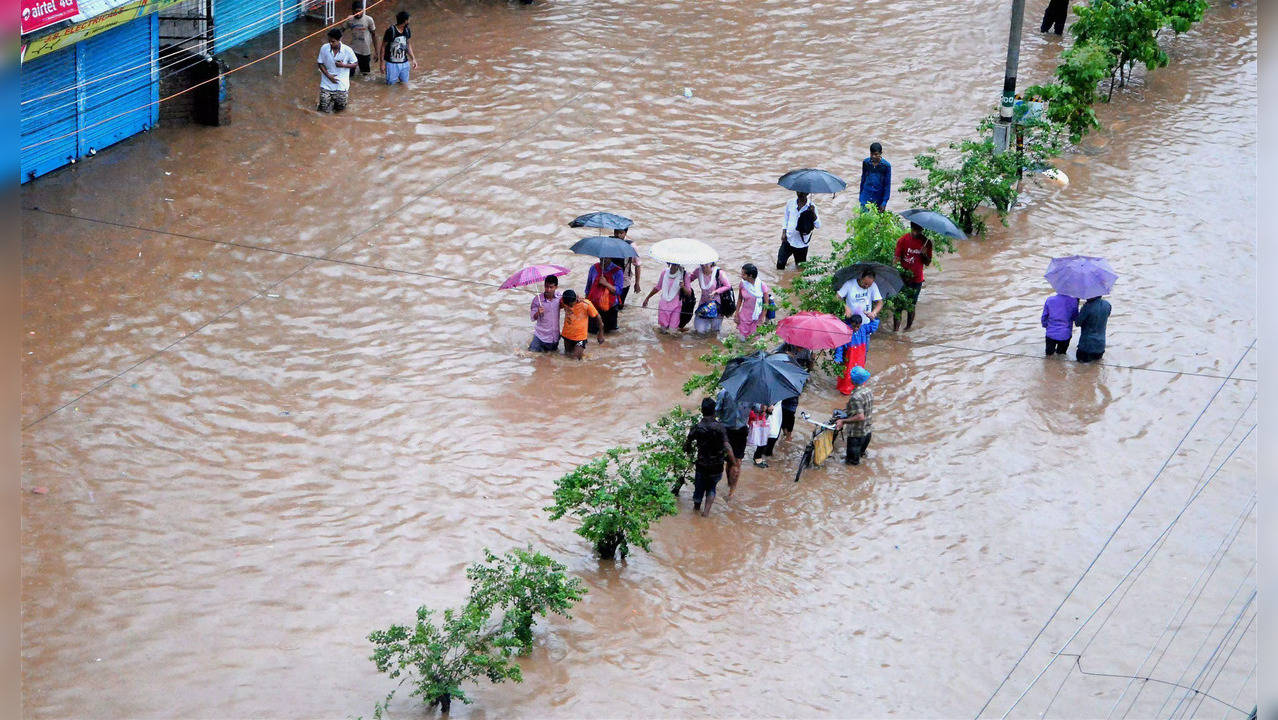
[1110,539]
[1241,688]
[1122,580]
[1078,663]
[325,257]
[1191,712]
[1213,564]
[1211,658]
[486,284]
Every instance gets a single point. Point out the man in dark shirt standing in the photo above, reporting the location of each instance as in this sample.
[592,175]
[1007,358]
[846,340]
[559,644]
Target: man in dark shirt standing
[710,439]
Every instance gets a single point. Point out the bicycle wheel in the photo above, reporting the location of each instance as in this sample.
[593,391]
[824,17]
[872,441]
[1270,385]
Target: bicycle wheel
[805,461]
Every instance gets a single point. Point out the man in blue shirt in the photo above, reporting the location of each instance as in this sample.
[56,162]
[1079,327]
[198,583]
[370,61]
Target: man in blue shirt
[1091,337]
[876,179]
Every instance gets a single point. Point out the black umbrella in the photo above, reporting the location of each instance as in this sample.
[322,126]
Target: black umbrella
[763,378]
[810,180]
[887,278]
[603,246]
[602,220]
[934,221]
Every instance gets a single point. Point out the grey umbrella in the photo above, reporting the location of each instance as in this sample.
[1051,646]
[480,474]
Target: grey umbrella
[763,378]
[887,278]
[603,246]
[602,221]
[811,180]
[934,221]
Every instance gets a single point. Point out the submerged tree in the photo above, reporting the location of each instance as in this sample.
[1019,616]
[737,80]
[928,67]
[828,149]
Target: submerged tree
[617,500]
[522,584]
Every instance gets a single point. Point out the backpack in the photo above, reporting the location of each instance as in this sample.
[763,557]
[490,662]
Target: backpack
[807,221]
[727,300]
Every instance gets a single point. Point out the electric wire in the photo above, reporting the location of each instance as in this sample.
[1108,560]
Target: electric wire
[488,284]
[1191,712]
[1113,533]
[239,34]
[1207,636]
[325,257]
[1122,580]
[1211,658]
[1241,688]
[1213,564]
[1078,663]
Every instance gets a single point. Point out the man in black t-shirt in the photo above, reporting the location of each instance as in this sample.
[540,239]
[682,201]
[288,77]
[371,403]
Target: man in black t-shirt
[397,50]
[710,439]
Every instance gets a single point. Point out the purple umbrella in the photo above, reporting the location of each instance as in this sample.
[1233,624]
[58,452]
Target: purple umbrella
[533,274]
[1081,276]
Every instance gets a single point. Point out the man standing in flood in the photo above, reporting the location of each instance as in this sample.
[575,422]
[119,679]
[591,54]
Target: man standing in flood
[544,312]
[913,252]
[876,179]
[335,62]
[860,409]
[710,440]
[397,50]
[362,31]
[1091,320]
[796,230]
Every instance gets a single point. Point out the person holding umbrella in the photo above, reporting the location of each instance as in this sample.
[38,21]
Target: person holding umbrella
[913,252]
[630,269]
[544,312]
[673,287]
[603,283]
[1092,320]
[801,219]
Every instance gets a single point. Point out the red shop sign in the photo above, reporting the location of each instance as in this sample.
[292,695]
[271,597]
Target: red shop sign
[39,13]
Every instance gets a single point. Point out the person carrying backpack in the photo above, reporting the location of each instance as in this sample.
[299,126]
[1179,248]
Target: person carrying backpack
[397,50]
[800,220]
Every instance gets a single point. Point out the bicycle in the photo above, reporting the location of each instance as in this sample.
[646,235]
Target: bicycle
[821,444]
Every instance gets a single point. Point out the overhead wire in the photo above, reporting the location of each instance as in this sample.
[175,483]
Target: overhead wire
[488,284]
[1241,688]
[1191,712]
[1078,663]
[1113,533]
[1216,651]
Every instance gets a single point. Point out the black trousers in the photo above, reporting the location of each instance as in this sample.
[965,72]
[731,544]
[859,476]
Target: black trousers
[704,483]
[766,450]
[737,440]
[856,447]
[786,250]
[1057,347]
[1054,16]
[365,63]
[625,292]
[787,419]
[1086,357]
[609,318]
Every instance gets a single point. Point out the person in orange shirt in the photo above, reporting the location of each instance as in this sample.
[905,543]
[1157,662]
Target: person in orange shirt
[577,314]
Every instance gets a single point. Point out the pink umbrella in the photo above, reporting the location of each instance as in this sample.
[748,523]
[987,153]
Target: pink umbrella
[814,330]
[533,274]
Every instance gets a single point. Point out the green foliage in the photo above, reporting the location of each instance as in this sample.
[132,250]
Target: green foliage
[617,499]
[1071,98]
[662,444]
[437,656]
[522,584]
[1180,15]
[763,338]
[1128,29]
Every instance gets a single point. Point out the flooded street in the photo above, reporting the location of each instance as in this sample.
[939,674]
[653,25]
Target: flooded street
[272,419]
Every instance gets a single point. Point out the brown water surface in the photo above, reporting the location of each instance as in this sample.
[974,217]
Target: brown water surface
[281,425]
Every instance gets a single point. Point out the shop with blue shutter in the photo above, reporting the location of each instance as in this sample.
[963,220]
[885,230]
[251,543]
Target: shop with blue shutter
[88,95]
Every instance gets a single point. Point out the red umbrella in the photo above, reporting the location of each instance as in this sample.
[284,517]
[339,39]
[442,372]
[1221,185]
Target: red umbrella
[814,330]
[533,274]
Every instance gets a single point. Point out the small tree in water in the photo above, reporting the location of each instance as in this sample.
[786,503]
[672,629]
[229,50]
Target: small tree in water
[523,584]
[617,499]
[662,444]
[438,657]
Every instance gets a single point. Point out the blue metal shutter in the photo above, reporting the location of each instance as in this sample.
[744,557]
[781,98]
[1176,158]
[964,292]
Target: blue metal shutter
[238,21]
[50,117]
[116,107]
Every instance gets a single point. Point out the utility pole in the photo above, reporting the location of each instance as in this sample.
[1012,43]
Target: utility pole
[1002,131]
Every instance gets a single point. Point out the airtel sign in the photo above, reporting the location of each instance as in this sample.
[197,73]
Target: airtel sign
[41,13]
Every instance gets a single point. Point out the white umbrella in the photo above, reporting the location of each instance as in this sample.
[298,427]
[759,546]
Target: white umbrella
[683,251]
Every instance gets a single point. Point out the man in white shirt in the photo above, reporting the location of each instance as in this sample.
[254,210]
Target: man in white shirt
[862,297]
[335,63]
[800,220]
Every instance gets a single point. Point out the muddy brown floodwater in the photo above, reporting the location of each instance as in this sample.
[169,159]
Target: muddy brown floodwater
[269,424]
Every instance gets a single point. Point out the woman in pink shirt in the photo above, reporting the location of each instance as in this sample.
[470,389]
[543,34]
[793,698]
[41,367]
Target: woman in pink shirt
[754,296]
[673,285]
[709,283]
